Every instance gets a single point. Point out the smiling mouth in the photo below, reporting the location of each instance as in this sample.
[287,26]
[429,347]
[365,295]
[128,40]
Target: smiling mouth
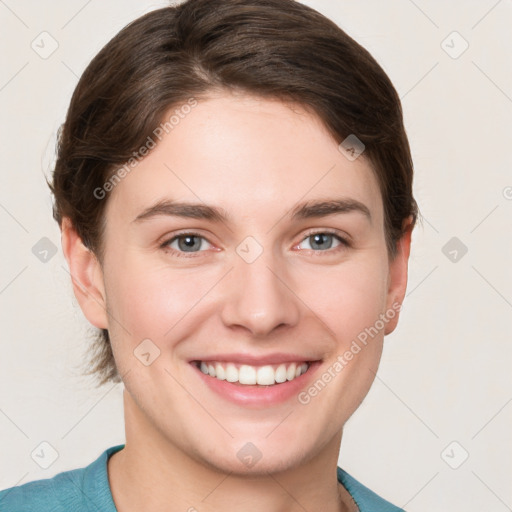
[249,375]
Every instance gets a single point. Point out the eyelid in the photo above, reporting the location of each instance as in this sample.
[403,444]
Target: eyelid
[328,231]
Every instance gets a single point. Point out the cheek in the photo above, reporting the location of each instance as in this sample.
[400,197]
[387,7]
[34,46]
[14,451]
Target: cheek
[150,302]
[350,297]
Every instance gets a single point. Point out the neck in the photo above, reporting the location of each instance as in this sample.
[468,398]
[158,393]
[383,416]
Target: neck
[152,474]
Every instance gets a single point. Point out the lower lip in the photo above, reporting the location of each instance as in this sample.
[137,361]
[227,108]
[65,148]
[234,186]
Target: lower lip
[258,396]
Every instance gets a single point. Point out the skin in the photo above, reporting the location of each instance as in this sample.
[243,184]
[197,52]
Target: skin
[257,159]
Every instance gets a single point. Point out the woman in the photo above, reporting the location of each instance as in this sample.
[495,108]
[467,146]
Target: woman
[234,190]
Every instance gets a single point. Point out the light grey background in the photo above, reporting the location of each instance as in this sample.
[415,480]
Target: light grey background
[445,375]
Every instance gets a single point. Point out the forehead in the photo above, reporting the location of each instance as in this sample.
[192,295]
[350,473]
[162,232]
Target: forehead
[252,157]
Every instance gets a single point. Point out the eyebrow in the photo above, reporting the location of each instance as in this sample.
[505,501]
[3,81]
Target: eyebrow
[306,210]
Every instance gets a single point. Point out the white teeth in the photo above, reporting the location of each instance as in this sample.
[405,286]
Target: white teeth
[231,373]
[219,370]
[290,373]
[265,376]
[247,375]
[281,374]
[251,375]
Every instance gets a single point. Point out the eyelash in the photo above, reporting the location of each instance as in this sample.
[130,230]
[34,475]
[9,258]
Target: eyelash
[344,243]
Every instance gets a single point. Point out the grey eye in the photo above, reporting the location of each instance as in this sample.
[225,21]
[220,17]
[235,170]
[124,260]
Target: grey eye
[322,241]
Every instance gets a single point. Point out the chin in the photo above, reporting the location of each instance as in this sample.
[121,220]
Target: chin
[261,467]
[254,458]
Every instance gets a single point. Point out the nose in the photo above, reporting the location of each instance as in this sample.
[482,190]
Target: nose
[259,297]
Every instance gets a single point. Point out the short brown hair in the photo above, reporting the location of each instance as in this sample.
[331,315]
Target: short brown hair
[278,49]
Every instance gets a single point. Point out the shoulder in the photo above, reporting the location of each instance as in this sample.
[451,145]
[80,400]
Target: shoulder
[57,494]
[365,498]
[79,490]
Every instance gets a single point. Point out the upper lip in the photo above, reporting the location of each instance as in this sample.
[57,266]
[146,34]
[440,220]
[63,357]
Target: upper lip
[252,360]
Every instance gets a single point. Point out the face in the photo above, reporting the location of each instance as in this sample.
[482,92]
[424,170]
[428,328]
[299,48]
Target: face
[247,241]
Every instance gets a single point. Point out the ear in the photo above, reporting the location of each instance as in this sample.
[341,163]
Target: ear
[397,278]
[86,276]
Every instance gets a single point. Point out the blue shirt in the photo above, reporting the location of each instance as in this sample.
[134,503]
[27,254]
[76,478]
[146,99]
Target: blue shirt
[87,490]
